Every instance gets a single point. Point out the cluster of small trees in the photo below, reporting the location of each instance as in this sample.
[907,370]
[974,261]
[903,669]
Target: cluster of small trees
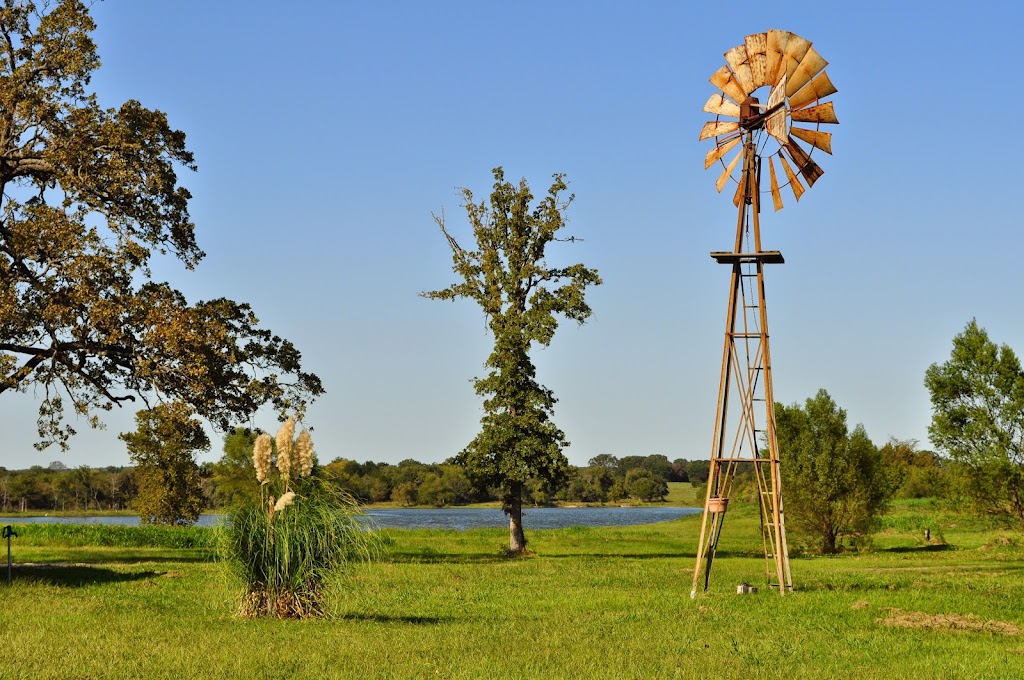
[58,487]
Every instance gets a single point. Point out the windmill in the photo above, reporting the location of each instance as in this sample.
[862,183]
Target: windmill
[793,74]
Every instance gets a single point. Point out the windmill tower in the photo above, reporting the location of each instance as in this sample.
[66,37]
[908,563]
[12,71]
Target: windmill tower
[793,74]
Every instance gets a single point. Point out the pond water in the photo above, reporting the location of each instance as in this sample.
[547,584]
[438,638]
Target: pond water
[445,518]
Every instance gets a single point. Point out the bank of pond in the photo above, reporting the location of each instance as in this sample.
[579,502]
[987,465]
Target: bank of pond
[435,518]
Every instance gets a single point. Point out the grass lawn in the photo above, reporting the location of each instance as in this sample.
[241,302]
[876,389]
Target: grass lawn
[589,603]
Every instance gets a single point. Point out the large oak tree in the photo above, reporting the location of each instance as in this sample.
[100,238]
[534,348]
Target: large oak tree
[89,196]
[521,296]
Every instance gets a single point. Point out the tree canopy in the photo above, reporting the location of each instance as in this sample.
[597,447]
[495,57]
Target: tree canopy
[978,419]
[522,296]
[162,448]
[89,196]
[834,481]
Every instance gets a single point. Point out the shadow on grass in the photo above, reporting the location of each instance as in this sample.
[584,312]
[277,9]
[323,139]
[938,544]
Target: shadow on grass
[435,557]
[385,618]
[920,548]
[628,556]
[127,559]
[75,575]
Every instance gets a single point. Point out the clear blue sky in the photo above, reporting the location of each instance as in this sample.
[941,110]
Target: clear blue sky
[327,132]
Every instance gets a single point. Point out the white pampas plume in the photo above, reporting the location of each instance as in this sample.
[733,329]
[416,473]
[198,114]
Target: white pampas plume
[261,457]
[304,453]
[284,447]
[284,501]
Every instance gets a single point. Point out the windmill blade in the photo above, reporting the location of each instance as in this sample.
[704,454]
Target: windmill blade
[819,88]
[794,183]
[776,194]
[776,51]
[796,48]
[819,140]
[737,195]
[822,113]
[808,168]
[719,152]
[757,47]
[714,129]
[724,177]
[810,66]
[724,81]
[775,125]
[720,104]
[737,60]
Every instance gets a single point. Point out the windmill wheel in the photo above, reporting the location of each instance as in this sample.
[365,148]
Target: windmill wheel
[792,75]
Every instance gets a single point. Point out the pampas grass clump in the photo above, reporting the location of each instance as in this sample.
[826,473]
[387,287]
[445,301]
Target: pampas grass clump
[302,534]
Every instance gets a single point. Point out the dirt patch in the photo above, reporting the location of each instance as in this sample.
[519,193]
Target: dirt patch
[969,622]
[860,604]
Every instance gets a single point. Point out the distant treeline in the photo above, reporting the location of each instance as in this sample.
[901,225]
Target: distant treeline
[605,479]
[408,483]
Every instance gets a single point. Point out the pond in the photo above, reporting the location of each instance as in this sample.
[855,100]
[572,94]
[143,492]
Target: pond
[444,518]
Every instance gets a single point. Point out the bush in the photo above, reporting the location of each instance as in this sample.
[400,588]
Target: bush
[301,534]
[286,557]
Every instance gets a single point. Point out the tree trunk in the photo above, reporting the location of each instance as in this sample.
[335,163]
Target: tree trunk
[516,538]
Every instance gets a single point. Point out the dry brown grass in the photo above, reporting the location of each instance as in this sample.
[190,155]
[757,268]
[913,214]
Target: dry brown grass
[968,622]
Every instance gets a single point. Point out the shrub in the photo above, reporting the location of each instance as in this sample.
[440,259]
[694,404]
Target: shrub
[300,535]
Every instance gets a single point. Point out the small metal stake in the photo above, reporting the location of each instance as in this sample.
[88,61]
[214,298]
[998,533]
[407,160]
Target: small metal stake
[8,532]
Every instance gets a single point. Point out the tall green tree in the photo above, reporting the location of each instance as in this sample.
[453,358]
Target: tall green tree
[978,419]
[522,296]
[162,447]
[834,481]
[89,196]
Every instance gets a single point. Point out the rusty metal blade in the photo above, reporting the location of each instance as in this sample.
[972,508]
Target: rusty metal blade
[716,128]
[776,194]
[724,177]
[724,81]
[796,48]
[737,195]
[776,49]
[775,124]
[722,105]
[810,66]
[808,168]
[794,183]
[737,60]
[819,140]
[716,154]
[757,47]
[819,88]
[822,113]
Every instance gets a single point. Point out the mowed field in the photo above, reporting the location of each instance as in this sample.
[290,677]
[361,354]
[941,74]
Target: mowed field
[588,603]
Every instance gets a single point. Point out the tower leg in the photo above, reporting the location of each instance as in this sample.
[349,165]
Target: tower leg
[746,437]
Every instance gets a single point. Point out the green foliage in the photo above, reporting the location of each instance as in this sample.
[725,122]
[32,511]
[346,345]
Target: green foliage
[166,473]
[915,473]
[834,482]
[978,419]
[89,195]
[147,536]
[643,484]
[521,296]
[233,480]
